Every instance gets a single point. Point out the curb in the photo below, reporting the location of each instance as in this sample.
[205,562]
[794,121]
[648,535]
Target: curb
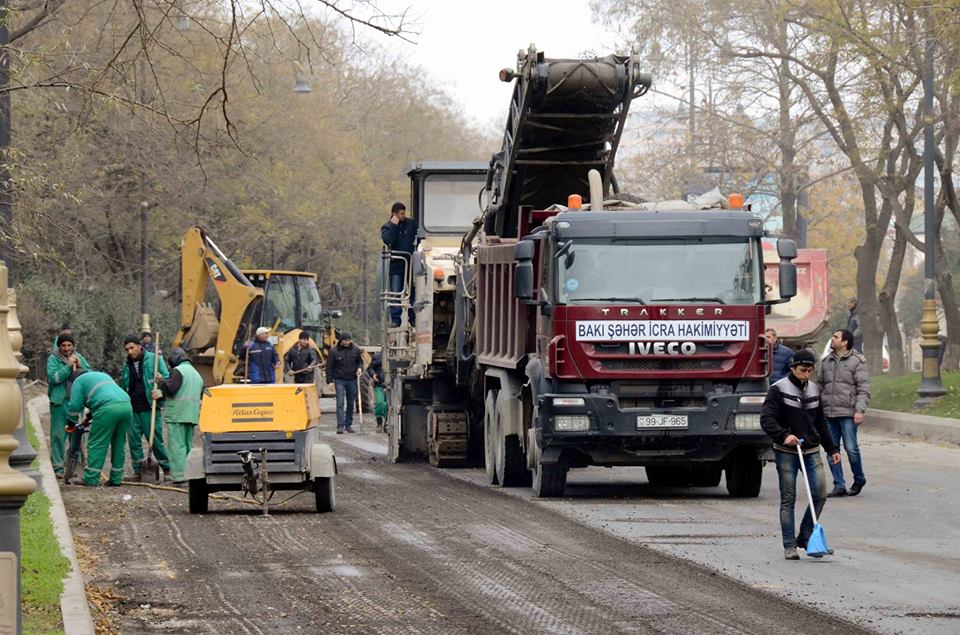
[917,426]
[73,600]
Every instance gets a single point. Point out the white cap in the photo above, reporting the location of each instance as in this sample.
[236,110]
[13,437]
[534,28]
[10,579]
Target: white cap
[262,330]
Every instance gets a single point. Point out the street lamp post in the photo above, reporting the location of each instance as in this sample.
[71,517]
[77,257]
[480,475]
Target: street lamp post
[931,387]
[144,270]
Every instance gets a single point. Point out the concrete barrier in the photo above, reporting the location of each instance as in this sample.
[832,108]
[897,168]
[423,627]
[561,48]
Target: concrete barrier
[923,427]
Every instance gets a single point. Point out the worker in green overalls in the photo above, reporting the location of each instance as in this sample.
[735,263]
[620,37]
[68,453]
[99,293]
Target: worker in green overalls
[64,360]
[110,412]
[136,377]
[183,390]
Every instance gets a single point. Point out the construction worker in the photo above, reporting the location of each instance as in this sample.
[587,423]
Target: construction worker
[146,341]
[183,390]
[60,364]
[111,414]
[344,365]
[399,235]
[136,378]
[263,359]
[301,359]
[375,372]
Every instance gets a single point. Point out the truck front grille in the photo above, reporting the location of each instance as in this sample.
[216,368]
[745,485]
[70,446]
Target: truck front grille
[672,363]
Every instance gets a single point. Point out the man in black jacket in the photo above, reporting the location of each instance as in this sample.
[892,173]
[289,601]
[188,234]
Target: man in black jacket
[344,364]
[792,416]
[399,235]
[301,360]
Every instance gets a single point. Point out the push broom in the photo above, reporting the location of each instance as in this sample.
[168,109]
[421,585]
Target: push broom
[817,542]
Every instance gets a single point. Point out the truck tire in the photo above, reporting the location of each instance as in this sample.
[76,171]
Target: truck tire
[489,437]
[668,475]
[198,495]
[707,475]
[549,479]
[325,494]
[744,474]
[511,463]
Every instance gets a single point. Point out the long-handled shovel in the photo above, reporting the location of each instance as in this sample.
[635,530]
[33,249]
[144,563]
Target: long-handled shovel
[817,543]
[149,467]
[359,400]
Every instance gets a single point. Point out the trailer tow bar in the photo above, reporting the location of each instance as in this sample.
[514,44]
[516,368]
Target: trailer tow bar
[256,478]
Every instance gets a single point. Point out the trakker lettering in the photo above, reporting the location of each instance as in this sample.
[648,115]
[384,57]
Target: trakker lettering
[662,330]
[662,348]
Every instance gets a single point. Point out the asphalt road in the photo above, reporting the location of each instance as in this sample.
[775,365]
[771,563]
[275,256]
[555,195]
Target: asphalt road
[897,563]
[409,550]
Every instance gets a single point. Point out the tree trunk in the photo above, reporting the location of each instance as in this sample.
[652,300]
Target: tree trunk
[888,311]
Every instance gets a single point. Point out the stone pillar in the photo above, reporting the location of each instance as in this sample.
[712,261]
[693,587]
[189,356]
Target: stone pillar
[14,485]
[24,455]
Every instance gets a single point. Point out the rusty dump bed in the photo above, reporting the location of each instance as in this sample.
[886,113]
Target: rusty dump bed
[501,324]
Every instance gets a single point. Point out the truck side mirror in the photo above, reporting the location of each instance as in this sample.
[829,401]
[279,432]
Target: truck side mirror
[786,249]
[788,279]
[523,273]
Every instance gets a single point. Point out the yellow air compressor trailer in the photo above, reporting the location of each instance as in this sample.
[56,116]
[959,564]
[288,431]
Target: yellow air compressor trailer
[258,439]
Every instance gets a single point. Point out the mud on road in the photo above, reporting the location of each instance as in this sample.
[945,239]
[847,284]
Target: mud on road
[409,550]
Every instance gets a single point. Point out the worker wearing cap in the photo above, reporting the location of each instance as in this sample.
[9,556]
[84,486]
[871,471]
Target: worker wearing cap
[64,361]
[260,358]
[111,414]
[792,415]
[344,365]
[136,377]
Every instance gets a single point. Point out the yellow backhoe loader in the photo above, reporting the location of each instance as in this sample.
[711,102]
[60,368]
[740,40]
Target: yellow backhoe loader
[255,438]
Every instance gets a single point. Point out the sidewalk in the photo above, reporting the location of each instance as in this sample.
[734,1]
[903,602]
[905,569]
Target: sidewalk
[917,426]
[73,600]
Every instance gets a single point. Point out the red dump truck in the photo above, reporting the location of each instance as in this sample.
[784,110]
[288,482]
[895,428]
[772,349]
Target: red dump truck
[552,336]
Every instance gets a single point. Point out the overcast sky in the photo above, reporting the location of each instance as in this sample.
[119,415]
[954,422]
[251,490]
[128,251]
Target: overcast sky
[464,44]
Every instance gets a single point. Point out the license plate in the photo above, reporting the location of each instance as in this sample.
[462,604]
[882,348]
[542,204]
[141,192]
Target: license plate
[661,421]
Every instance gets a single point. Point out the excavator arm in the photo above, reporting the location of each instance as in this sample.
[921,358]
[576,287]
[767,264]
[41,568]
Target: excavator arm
[212,340]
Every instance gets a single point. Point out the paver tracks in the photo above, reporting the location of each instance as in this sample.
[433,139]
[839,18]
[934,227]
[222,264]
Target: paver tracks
[408,551]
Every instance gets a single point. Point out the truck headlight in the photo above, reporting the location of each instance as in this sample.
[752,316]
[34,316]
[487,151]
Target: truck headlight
[571,423]
[568,401]
[752,400]
[747,421]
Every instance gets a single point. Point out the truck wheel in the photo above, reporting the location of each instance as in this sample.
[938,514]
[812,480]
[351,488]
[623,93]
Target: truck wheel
[489,437]
[549,479]
[198,495]
[744,475]
[707,475]
[511,462]
[325,494]
[668,475]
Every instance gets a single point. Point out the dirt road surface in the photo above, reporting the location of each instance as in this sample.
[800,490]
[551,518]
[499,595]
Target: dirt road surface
[409,550]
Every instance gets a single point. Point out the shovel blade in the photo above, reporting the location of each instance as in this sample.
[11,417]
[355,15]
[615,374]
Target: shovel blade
[817,544]
[149,470]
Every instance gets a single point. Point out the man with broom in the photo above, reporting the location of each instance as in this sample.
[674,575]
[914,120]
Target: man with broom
[792,416]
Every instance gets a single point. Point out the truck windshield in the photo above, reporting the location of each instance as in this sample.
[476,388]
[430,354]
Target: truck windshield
[450,202]
[694,270]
